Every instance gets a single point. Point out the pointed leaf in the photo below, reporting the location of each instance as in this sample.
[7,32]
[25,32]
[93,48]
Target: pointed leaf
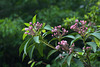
[24,35]
[24,55]
[97,42]
[36,39]
[27,43]
[23,29]
[32,64]
[30,50]
[27,24]
[97,35]
[48,27]
[34,19]
[50,53]
[70,36]
[38,63]
[63,60]
[40,49]
[75,39]
[93,45]
[69,59]
[79,63]
[52,40]
[22,46]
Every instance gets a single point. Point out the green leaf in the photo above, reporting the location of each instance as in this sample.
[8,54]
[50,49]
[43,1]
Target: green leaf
[36,39]
[76,38]
[38,63]
[70,36]
[63,60]
[30,50]
[48,27]
[24,55]
[48,65]
[79,63]
[23,29]
[24,35]
[97,42]
[40,49]
[27,43]
[93,45]
[27,24]
[43,25]
[69,59]
[22,46]
[52,40]
[97,35]
[43,31]
[50,53]
[34,19]
[32,64]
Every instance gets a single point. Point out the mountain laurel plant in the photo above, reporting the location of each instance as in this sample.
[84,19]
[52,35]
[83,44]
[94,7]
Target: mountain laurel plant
[68,52]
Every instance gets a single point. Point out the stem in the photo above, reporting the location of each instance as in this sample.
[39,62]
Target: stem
[49,45]
[88,60]
[89,65]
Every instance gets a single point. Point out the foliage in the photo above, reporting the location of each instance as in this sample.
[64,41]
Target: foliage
[67,52]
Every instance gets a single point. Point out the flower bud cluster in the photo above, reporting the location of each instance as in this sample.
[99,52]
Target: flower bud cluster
[87,48]
[65,46]
[58,32]
[33,28]
[80,27]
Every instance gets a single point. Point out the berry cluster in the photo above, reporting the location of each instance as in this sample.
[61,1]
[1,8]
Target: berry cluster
[65,46]
[33,28]
[57,32]
[80,27]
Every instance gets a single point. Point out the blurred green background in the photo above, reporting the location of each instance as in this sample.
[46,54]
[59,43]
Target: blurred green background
[13,14]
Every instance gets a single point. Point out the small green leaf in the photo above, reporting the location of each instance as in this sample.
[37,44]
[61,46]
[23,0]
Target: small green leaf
[24,35]
[79,63]
[70,36]
[27,24]
[76,38]
[40,49]
[32,64]
[97,35]
[80,53]
[22,46]
[27,43]
[38,63]
[36,39]
[97,42]
[63,60]
[23,29]
[48,27]
[48,65]
[43,25]
[69,59]
[30,50]
[24,55]
[52,40]
[93,45]
[43,31]
[50,53]
[34,19]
